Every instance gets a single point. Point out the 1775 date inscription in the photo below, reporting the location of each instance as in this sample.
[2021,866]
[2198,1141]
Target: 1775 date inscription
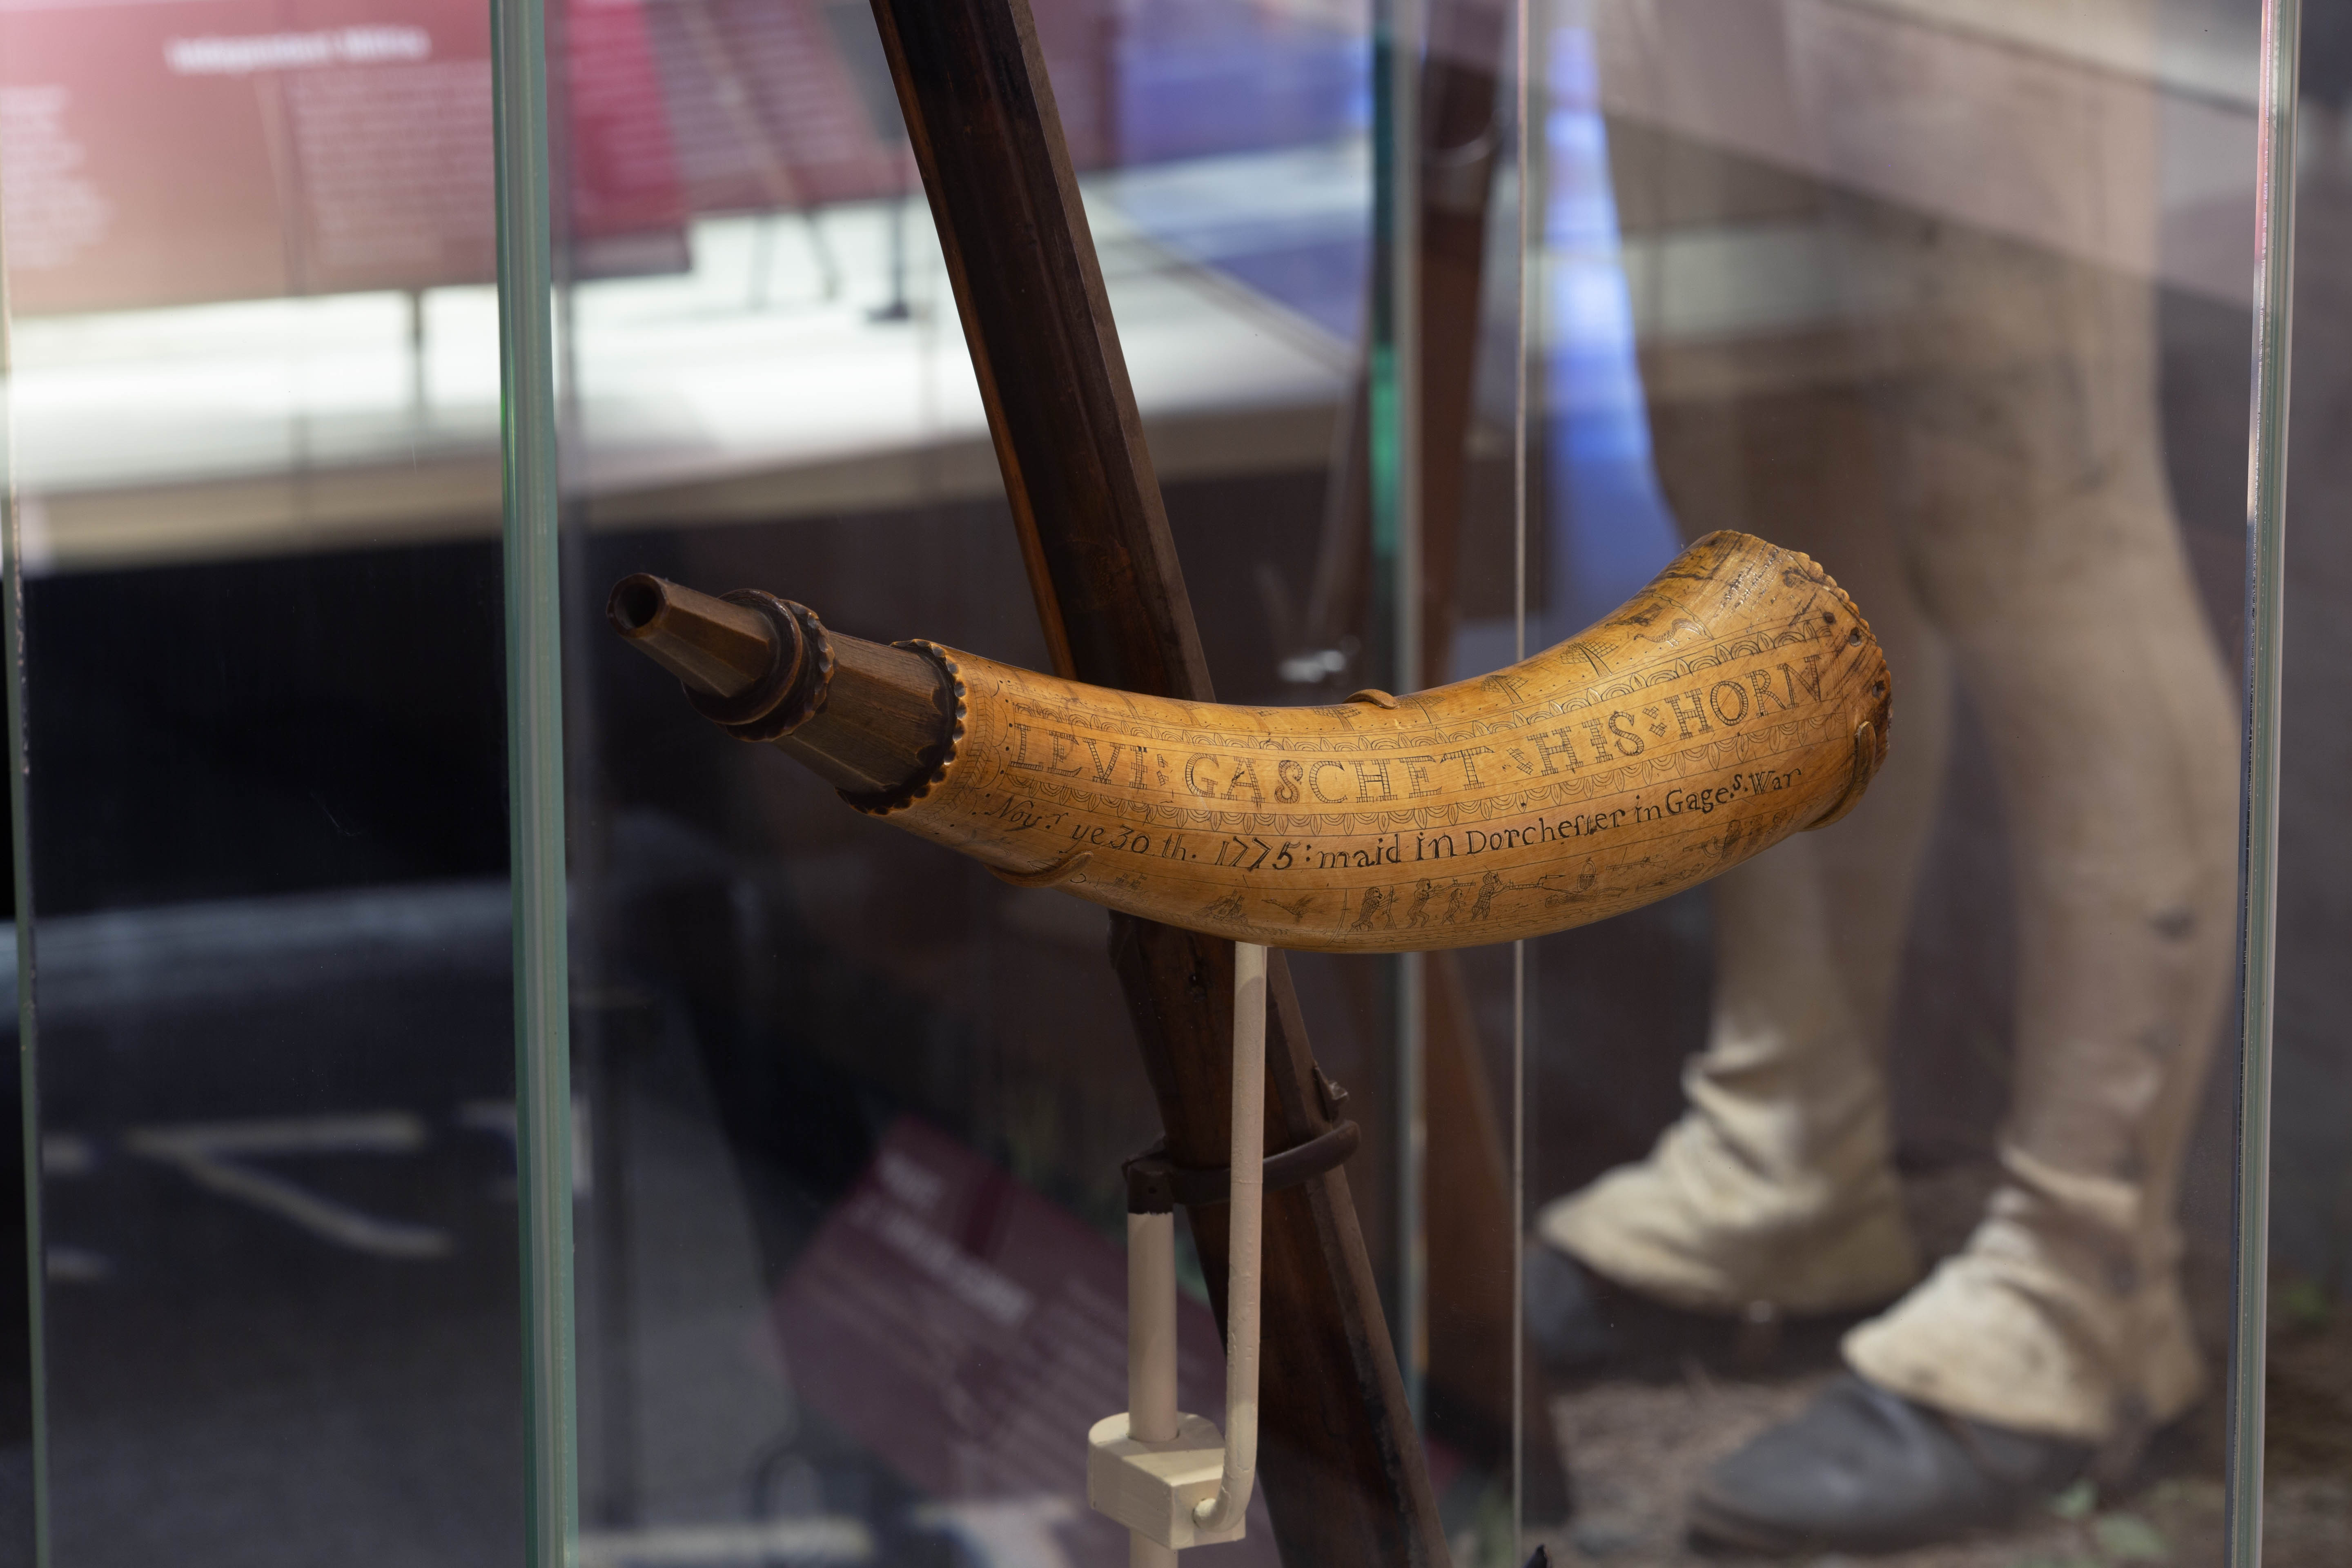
[1737,698]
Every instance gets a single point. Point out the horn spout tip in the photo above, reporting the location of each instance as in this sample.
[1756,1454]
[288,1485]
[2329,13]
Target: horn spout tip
[635,604]
[722,648]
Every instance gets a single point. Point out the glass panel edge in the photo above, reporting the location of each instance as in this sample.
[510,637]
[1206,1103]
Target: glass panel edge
[535,774]
[12,646]
[2265,542]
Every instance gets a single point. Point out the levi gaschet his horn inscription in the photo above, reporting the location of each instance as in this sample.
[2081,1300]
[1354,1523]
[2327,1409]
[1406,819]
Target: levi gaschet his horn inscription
[1737,698]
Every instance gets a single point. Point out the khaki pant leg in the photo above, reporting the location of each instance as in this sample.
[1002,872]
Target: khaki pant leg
[2020,448]
[2023,435]
[2041,534]
[1777,1184]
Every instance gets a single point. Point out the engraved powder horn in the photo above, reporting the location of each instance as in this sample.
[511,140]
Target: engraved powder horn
[1736,700]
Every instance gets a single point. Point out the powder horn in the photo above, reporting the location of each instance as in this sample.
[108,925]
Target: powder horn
[1737,698]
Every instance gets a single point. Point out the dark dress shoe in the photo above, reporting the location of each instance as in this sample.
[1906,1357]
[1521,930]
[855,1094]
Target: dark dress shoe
[1866,1470]
[1580,1325]
[1567,1321]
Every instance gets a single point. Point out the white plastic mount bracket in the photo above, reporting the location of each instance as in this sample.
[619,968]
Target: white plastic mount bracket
[1154,1488]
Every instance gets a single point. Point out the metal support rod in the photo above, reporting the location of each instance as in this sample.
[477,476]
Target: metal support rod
[1245,1239]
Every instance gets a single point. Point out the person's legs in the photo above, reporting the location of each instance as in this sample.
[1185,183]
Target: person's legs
[2043,539]
[2023,448]
[2023,445]
[2017,453]
[1777,1184]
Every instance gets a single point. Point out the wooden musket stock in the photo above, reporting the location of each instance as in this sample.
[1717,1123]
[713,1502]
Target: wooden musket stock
[1739,699]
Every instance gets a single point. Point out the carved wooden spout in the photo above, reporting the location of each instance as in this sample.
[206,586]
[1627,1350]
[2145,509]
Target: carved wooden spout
[1737,698]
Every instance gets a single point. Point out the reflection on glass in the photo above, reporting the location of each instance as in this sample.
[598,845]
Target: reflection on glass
[253,395]
[851,1276]
[1949,294]
[1930,292]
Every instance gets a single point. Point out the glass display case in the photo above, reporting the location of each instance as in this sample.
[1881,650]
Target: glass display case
[475,1108]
